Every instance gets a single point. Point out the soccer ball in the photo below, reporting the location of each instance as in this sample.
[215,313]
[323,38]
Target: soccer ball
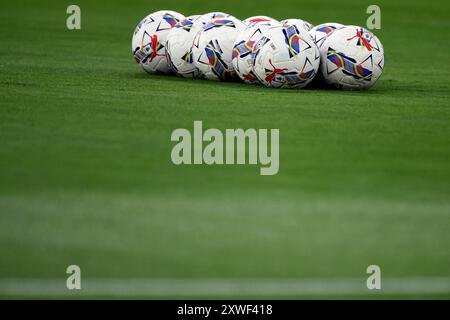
[352,58]
[149,40]
[179,49]
[251,21]
[243,47]
[322,31]
[300,24]
[285,57]
[213,47]
[179,44]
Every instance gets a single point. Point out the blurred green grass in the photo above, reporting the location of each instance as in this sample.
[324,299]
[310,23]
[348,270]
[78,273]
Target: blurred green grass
[86,176]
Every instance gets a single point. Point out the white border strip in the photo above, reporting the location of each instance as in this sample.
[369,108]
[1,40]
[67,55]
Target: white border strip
[221,287]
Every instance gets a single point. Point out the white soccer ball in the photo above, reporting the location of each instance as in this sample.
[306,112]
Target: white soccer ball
[180,40]
[213,47]
[299,23]
[251,21]
[285,57]
[352,58]
[179,49]
[243,46]
[149,40]
[320,32]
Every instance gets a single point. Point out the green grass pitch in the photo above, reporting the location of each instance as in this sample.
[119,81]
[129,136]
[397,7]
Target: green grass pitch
[86,176]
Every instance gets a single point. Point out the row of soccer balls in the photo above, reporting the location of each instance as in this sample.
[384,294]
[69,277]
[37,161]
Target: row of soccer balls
[259,49]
